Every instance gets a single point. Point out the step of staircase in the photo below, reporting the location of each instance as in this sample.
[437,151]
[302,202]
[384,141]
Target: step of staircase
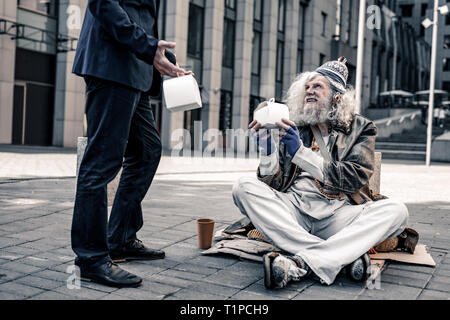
[402,154]
[404,146]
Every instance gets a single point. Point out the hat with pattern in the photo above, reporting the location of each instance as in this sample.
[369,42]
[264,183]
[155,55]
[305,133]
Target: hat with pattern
[336,72]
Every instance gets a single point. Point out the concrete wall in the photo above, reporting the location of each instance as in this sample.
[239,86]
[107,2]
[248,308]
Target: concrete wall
[8,10]
[393,125]
[440,148]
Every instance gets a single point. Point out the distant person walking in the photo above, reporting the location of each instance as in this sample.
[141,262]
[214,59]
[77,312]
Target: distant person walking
[442,116]
[424,111]
[436,116]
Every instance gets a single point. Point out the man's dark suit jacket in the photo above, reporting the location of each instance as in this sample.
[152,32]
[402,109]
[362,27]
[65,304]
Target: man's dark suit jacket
[118,42]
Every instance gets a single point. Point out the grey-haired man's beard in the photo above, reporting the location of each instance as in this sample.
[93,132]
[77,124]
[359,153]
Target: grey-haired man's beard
[315,114]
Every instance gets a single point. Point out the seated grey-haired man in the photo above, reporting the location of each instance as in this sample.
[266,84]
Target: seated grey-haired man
[311,197]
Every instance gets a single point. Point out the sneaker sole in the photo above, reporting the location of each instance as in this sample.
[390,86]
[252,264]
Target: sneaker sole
[267,264]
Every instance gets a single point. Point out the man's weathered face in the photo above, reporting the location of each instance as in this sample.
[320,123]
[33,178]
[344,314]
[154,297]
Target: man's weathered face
[317,102]
[318,93]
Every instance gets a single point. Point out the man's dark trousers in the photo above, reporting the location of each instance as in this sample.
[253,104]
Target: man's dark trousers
[121,131]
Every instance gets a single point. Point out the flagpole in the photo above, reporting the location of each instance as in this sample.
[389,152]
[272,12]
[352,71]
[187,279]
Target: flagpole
[360,57]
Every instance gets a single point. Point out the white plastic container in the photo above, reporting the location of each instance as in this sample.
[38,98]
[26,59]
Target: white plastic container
[182,93]
[270,114]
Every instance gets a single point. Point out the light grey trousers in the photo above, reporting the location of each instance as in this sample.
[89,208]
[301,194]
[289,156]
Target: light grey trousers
[326,245]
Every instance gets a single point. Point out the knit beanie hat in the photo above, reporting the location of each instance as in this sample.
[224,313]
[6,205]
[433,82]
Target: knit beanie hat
[336,72]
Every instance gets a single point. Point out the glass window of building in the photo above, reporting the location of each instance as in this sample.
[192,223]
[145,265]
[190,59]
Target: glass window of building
[226,97]
[324,24]
[228,43]
[281,15]
[230,4]
[423,9]
[279,71]
[258,10]
[301,36]
[195,39]
[348,33]
[446,64]
[447,42]
[255,81]
[321,59]
[48,7]
[406,10]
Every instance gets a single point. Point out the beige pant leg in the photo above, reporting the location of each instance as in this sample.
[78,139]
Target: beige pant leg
[273,215]
[350,233]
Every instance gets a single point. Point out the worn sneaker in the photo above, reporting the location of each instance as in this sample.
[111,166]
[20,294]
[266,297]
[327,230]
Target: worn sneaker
[280,269]
[357,270]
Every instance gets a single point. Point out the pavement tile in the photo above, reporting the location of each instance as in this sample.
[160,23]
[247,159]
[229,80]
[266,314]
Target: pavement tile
[52,295]
[10,296]
[20,289]
[7,275]
[145,270]
[174,235]
[182,274]
[392,292]
[20,267]
[135,294]
[182,252]
[83,292]
[438,286]
[229,279]
[215,289]
[165,263]
[244,267]
[215,261]
[310,296]
[407,267]
[52,275]
[434,295]
[246,295]
[41,283]
[188,294]
[113,296]
[404,281]
[260,289]
[442,272]
[188,267]
[6,242]
[96,286]
[176,282]
[23,251]
[333,292]
[39,262]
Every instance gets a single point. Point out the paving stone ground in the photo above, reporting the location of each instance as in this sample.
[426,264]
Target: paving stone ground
[35,252]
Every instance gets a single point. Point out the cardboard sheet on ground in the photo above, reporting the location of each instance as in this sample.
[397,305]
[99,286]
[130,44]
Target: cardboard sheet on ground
[420,256]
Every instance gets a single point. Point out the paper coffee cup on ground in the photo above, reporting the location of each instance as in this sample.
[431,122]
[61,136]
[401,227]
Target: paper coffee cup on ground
[205,228]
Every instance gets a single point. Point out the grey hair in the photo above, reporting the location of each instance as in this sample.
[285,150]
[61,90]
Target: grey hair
[341,112]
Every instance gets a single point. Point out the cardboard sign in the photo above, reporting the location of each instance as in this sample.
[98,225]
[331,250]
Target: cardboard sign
[420,256]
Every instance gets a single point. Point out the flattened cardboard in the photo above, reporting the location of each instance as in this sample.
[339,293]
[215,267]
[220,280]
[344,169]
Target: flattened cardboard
[420,256]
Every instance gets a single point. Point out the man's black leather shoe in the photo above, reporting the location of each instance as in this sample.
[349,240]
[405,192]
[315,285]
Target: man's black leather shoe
[110,274]
[136,250]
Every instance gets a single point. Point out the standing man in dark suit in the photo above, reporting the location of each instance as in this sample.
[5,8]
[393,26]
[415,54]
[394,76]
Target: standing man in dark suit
[121,59]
